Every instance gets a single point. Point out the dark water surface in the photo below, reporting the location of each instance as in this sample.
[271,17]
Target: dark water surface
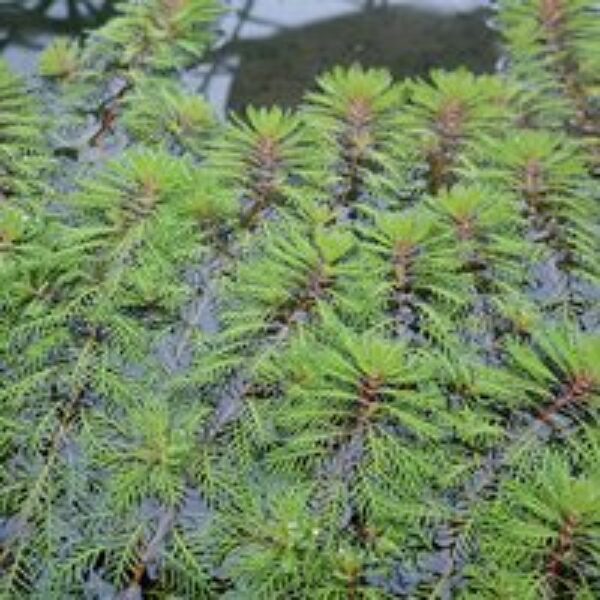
[26,26]
[272,50]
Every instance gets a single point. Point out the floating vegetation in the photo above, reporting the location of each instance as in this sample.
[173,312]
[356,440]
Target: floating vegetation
[349,351]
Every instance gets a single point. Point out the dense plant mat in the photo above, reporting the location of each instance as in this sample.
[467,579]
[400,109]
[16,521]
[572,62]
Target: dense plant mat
[348,351]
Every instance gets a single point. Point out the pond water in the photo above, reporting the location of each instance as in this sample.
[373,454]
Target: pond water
[272,50]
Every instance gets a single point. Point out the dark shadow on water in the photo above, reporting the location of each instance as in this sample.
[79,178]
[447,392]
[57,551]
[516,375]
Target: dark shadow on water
[24,24]
[406,40]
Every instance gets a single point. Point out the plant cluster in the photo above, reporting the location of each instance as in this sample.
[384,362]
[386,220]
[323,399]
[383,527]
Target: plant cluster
[346,351]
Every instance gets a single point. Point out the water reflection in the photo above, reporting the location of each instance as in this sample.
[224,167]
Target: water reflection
[26,26]
[272,50]
[272,59]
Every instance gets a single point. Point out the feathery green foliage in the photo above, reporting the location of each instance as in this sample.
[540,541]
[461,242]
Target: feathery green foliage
[540,536]
[443,120]
[546,176]
[350,118]
[419,273]
[160,35]
[61,60]
[22,156]
[162,113]
[552,48]
[349,351]
[256,156]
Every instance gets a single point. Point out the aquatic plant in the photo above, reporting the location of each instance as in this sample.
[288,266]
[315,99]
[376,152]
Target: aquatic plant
[540,535]
[443,119]
[163,113]
[345,351]
[350,118]
[551,44]
[255,157]
[22,156]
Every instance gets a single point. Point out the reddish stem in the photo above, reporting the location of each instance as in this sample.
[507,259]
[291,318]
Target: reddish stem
[575,392]
[108,114]
[368,398]
[553,19]
[355,141]
[449,127]
[150,552]
[316,287]
[401,260]
[264,162]
[556,560]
